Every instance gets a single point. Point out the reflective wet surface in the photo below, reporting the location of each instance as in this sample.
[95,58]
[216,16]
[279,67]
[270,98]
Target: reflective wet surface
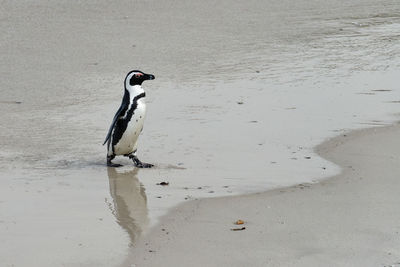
[129,201]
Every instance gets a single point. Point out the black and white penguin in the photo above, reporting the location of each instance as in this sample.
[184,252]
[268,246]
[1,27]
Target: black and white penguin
[128,121]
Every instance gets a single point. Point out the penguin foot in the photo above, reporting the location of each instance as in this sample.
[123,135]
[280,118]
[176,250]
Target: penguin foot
[138,163]
[110,164]
[143,165]
[115,165]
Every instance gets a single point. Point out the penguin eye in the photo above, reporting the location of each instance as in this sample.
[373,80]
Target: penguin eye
[137,75]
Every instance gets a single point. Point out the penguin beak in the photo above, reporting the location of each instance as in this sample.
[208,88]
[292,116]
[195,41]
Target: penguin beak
[150,77]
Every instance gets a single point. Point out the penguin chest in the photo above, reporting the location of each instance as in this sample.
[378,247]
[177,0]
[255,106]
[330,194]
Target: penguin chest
[128,142]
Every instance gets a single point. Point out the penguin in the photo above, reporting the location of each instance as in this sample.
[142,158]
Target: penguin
[128,122]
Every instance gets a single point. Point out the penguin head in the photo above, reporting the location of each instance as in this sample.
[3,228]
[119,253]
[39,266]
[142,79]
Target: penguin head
[136,77]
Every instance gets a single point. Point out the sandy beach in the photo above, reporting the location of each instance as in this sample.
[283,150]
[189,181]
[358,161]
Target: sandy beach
[243,95]
[348,220]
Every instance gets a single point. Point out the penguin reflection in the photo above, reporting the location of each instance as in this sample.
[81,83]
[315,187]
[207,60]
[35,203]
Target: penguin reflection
[130,202]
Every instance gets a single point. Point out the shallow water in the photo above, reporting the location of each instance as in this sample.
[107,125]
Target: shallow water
[243,92]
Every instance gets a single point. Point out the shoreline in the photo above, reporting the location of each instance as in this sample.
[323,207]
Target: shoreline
[340,220]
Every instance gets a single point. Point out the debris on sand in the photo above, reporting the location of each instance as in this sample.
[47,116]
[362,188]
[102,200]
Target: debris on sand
[238,229]
[10,102]
[163,183]
[239,222]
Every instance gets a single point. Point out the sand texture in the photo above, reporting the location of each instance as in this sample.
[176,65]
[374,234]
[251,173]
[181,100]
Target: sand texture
[244,91]
[348,220]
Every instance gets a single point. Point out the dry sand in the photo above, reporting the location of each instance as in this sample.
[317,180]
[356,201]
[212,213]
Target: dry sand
[349,220]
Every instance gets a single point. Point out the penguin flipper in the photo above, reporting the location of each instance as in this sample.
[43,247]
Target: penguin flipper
[121,111]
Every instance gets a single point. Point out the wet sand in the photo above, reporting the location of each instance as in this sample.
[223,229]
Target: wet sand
[244,92]
[349,220]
